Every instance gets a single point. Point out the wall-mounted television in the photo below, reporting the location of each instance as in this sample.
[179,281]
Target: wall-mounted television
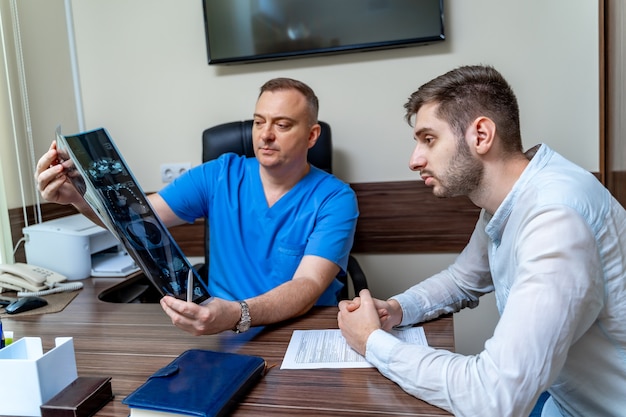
[240,31]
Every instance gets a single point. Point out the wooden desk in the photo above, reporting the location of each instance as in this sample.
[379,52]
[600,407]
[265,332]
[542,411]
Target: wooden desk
[129,342]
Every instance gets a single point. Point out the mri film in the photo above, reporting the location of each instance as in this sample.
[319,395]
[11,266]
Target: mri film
[98,171]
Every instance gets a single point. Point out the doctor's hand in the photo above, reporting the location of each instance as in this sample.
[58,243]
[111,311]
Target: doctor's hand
[52,181]
[214,317]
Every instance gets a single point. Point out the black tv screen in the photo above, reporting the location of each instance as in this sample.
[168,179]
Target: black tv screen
[239,31]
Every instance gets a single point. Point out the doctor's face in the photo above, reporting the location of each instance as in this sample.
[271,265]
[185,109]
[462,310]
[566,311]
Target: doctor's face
[282,133]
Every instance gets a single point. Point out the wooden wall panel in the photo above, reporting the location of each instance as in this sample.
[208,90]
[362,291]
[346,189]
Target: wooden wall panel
[405,217]
[395,217]
[613,66]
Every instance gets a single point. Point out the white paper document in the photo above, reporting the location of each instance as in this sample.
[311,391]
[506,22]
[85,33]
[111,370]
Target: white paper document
[312,349]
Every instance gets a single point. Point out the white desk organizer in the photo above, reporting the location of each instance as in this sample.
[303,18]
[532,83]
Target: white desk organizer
[30,377]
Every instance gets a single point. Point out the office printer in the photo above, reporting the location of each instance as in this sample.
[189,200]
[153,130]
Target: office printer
[76,247]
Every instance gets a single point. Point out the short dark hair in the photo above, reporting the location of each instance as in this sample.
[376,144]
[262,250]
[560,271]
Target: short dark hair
[276,84]
[466,93]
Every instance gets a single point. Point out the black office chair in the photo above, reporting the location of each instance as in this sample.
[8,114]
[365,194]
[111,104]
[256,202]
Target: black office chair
[237,137]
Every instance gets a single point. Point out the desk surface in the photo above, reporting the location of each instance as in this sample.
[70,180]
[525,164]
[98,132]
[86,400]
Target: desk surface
[131,341]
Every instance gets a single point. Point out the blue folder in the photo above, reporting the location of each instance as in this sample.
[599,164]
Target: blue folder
[199,382]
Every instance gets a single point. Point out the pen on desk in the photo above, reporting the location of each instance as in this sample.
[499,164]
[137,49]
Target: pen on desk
[190,286]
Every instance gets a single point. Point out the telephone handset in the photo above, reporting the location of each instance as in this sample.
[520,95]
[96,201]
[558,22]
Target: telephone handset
[33,280]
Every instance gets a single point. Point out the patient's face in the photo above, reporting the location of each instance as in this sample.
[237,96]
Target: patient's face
[281,133]
[445,162]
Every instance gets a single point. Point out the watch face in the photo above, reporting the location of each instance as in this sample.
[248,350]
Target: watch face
[243,326]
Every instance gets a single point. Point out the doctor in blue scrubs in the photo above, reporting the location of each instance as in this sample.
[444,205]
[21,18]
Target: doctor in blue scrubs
[281,229]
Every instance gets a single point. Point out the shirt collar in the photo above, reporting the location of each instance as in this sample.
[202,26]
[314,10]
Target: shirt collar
[538,156]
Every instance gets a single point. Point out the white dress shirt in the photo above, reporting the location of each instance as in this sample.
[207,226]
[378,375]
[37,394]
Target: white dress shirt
[555,255]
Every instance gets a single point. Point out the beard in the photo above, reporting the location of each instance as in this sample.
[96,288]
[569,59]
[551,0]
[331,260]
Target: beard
[463,176]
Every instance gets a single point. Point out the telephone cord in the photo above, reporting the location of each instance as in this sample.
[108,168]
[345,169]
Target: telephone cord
[55,287]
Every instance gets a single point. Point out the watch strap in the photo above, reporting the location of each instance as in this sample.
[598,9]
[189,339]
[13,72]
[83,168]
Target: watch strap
[244,322]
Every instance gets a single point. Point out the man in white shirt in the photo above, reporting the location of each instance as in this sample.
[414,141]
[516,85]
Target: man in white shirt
[550,241]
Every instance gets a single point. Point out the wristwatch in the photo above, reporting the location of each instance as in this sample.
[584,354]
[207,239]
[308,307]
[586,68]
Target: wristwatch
[244,322]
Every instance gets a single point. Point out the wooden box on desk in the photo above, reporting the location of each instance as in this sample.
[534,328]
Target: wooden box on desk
[30,377]
[82,398]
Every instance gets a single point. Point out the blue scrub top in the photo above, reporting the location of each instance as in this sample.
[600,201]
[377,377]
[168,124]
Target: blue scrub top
[253,247]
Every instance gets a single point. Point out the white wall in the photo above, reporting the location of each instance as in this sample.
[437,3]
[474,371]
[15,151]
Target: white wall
[48,82]
[144,76]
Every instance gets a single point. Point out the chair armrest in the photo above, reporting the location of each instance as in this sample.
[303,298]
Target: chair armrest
[359,282]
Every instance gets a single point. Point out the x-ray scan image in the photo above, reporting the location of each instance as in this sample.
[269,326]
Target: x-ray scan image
[98,171]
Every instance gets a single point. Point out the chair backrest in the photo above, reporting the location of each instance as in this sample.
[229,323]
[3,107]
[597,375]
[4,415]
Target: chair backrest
[237,137]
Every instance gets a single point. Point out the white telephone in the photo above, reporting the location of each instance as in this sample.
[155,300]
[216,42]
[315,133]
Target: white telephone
[33,280]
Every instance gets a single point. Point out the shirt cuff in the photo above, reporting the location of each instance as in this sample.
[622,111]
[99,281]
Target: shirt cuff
[378,349]
[411,311]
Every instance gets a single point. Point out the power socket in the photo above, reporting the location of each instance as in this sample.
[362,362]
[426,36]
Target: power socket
[169,172]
